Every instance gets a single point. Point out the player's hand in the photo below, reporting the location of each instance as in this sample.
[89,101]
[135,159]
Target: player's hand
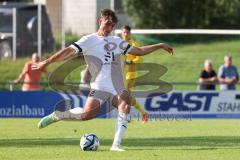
[213,79]
[167,48]
[15,81]
[39,65]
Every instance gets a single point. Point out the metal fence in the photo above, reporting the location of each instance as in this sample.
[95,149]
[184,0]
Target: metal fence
[45,85]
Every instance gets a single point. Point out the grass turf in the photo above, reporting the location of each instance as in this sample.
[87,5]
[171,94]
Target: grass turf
[197,139]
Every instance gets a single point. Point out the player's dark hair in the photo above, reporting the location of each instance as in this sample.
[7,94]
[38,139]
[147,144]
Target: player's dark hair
[108,13]
[128,28]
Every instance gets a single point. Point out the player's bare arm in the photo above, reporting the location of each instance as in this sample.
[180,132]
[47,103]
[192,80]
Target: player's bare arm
[208,80]
[233,80]
[20,77]
[140,51]
[61,55]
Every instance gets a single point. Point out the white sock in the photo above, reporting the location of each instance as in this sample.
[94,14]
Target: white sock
[76,110]
[121,126]
[74,113]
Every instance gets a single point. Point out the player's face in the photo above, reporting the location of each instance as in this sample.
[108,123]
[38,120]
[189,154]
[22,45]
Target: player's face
[208,67]
[35,57]
[228,61]
[125,34]
[106,26]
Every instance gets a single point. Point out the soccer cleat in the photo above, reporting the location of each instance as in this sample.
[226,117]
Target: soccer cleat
[116,148]
[145,118]
[47,120]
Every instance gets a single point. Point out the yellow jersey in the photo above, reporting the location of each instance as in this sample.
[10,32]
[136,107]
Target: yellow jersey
[133,58]
[129,70]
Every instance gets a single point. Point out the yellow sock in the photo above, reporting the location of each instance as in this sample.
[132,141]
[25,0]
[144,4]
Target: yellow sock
[138,106]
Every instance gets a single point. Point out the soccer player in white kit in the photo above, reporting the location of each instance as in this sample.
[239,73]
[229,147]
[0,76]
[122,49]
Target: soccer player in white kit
[101,52]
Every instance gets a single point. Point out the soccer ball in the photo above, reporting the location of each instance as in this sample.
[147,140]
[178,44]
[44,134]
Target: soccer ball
[89,142]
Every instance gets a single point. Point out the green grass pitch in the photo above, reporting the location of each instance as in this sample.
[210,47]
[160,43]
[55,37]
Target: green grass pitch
[20,139]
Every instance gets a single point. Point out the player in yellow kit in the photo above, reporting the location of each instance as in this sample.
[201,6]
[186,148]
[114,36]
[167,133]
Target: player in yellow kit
[130,67]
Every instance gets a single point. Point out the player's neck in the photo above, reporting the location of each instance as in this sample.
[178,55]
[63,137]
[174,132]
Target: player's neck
[101,33]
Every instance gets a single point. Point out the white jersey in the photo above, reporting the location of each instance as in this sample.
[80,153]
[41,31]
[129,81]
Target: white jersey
[102,55]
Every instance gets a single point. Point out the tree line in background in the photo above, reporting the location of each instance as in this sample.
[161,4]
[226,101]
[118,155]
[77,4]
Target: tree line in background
[220,14]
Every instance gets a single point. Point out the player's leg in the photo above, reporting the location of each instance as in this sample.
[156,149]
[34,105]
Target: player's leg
[123,102]
[130,76]
[130,81]
[138,106]
[88,112]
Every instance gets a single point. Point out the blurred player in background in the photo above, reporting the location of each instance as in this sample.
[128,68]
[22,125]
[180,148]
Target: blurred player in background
[208,77]
[130,69]
[228,74]
[102,54]
[31,78]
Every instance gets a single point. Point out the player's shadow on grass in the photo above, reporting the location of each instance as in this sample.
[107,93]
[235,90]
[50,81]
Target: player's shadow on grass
[210,142]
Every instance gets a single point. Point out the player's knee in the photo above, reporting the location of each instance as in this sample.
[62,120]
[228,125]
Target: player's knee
[126,97]
[124,108]
[128,108]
